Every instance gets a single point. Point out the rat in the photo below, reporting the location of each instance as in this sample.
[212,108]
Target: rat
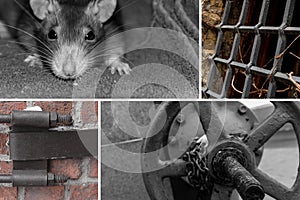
[67,34]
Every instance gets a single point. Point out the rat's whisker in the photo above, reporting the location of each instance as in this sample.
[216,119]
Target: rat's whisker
[28,54]
[29,34]
[94,58]
[127,60]
[125,6]
[117,30]
[27,13]
[108,49]
[46,50]
[32,47]
[109,35]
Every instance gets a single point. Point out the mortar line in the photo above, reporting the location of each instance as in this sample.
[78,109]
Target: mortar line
[20,193]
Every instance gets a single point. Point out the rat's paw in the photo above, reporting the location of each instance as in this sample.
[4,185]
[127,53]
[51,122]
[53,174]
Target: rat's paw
[34,61]
[122,68]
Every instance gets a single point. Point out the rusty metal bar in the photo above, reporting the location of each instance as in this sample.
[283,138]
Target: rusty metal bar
[247,186]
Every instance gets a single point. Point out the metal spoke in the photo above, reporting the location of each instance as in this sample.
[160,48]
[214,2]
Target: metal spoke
[296,126]
[155,171]
[285,112]
[173,169]
[159,189]
[274,188]
[261,134]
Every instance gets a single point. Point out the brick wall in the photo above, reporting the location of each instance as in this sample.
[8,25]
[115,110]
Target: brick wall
[83,172]
[211,16]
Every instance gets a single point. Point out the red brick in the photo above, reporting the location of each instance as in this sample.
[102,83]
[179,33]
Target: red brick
[89,112]
[3,146]
[44,193]
[93,168]
[5,167]
[67,167]
[7,107]
[96,109]
[84,192]
[8,193]
[61,107]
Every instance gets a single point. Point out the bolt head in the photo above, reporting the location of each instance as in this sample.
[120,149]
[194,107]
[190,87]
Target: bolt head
[50,178]
[180,118]
[242,109]
[53,119]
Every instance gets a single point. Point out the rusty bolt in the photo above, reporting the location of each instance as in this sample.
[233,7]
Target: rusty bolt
[180,118]
[242,109]
[56,179]
[64,119]
[58,118]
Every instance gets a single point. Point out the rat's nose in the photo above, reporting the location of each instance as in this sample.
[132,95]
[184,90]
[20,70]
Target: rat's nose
[69,70]
[69,67]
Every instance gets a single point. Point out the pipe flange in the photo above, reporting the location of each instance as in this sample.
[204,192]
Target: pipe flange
[223,150]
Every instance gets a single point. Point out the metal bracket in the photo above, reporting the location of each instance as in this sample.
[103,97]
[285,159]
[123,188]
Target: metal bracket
[33,143]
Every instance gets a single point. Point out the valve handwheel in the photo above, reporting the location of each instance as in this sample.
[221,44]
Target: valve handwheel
[285,112]
[223,150]
[155,170]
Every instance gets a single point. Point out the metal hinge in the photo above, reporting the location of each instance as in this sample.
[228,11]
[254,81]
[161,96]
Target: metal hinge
[33,141]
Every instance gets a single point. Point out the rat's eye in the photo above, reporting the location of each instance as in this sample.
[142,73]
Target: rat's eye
[90,36]
[52,35]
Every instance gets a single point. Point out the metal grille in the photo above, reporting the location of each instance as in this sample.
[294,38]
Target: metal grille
[255,52]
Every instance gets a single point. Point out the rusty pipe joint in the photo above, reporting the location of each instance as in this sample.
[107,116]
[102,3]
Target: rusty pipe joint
[228,166]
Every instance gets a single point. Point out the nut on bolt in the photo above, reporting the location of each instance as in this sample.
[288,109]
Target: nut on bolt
[57,118]
[65,119]
[180,118]
[242,109]
[50,179]
[56,179]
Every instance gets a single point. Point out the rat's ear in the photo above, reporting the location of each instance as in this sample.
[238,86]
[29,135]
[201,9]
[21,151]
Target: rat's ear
[41,8]
[102,9]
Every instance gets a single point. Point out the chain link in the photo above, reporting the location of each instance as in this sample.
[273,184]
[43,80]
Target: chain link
[196,169]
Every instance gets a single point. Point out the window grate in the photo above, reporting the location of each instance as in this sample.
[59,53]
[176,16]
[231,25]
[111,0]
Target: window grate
[256,50]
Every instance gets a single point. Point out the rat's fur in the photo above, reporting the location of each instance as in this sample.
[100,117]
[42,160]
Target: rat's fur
[70,55]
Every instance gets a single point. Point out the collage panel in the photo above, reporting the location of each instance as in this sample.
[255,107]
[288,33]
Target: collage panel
[60,60]
[48,150]
[250,49]
[235,150]
[132,123]
[99,49]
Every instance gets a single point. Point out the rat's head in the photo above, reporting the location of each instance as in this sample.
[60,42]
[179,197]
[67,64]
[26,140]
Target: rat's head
[69,32]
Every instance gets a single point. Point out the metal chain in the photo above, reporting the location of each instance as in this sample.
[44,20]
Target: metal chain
[196,169]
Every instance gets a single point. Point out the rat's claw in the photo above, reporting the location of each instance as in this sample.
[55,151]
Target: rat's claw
[127,70]
[34,61]
[122,68]
[113,70]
